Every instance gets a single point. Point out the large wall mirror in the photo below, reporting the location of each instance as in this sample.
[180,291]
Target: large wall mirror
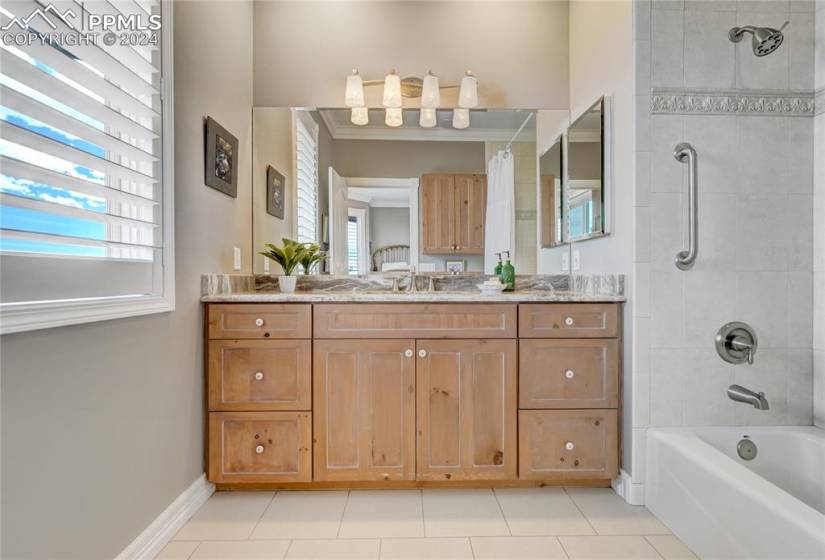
[587,167]
[383,198]
[551,176]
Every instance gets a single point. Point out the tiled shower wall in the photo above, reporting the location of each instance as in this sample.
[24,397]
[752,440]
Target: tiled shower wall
[756,214]
[819,219]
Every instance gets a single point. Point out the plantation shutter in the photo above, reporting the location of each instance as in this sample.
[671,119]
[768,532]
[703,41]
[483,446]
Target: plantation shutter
[306,156]
[80,161]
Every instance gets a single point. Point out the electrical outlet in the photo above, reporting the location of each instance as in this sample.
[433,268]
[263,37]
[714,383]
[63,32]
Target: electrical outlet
[266,265]
[565,262]
[577,260]
[237,259]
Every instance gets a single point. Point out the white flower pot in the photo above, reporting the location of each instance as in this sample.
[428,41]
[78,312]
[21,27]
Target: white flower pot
[287,283]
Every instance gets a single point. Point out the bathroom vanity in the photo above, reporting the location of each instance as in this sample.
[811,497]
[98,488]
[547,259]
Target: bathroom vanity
[322,390]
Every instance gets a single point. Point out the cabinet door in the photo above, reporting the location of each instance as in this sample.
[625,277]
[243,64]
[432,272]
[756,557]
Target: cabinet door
[466,409]
[364,398]
[470,207]
[438,213]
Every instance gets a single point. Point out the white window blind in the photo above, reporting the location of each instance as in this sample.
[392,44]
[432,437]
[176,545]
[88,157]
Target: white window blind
[83,182]
[306,156]
[353,245]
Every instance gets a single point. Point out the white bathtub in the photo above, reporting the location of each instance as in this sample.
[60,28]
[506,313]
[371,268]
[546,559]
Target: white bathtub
[724,507]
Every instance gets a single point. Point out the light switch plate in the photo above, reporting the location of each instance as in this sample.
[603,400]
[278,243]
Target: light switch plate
[565,262]
[577,260]
[237,258]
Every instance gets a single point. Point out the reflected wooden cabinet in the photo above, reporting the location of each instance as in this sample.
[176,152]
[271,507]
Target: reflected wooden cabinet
[466,409]
[452,209]
[364,393]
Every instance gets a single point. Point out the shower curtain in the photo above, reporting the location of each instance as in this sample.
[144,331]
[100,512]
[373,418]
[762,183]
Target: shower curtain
[500,221]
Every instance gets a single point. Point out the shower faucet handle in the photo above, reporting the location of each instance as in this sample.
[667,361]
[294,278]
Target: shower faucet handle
[736,343]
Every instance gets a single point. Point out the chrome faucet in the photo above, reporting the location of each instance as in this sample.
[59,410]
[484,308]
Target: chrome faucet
[412,288]
[741,394]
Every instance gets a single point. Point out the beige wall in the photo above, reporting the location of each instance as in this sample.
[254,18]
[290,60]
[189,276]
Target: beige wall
[103,423]
[518,50]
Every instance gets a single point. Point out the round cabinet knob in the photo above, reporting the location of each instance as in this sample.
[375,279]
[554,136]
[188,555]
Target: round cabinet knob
[408,353]
[568,321]
[569,446]
[259,375]
[259,322]
[569,374]
[422,353]
[259,449]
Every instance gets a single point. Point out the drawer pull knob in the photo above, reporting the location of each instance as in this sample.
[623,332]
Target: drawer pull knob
[569,374]
[422,353]
[386,476]
[569,446]
[259,375]
[568,321]
[259,322]
[408,353]
[259,449]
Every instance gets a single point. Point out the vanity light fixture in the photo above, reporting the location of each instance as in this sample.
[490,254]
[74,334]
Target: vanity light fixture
[392,90]
[360,116]
[430,93]
[468,93]
[427,118]
[461,118]
[394,117]
[354,96]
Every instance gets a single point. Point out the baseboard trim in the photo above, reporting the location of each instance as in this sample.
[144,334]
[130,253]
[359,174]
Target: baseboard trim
[631,492]
[160,531]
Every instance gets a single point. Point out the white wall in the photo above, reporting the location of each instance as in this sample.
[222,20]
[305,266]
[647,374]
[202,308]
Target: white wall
[518,50]
[389,226]
[819,224]
[549,126]
[755,222]
[103,423]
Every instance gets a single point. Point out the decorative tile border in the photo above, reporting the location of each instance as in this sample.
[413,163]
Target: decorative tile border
[706,102]
[819,102]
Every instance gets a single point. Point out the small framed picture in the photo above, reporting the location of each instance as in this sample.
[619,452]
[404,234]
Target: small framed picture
[274,192]
[456,267]
[221,161]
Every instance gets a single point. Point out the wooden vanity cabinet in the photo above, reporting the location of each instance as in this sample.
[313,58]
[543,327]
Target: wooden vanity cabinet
[364,392]
[466,405]
[453,207]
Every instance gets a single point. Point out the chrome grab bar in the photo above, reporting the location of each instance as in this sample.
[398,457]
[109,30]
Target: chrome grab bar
[684,152]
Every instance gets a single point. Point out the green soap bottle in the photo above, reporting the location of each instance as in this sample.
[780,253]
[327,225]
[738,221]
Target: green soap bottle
[508,274]
[497,271]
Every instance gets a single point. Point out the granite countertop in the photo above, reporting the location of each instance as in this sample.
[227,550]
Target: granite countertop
[388,297]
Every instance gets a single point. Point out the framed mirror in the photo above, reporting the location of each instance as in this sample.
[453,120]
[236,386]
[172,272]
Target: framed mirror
[551,173]
[586,170]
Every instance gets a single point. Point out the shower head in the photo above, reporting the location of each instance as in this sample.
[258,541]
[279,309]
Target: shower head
[765,39]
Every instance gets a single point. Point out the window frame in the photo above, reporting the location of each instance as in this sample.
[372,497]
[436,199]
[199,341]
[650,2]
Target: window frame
[36,315]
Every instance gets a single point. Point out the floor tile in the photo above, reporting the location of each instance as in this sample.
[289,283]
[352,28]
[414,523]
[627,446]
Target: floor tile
[382,513]
[611,515]
[462,513]
[241,550]
[333,549]
[517,548]
[226,516]
[302,515]
[426,549]
[671,548]
[612,548]
[541,511]
[177,550]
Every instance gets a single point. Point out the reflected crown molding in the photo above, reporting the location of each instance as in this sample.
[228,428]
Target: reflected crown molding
[729,102]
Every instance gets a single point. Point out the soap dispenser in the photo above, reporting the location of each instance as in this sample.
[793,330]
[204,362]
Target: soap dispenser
[497,271]
[508,274]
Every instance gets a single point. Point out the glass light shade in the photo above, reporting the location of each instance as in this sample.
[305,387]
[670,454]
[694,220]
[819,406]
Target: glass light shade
[360,116]
[394,117]
[468,93]
[392,90]
[461,118]
[430,94]
[354,95]
[427,118]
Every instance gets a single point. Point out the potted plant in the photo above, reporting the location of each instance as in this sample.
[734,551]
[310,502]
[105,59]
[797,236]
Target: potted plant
[312,255]
[289,257]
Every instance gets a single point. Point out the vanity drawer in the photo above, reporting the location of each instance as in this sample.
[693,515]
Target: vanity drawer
[260,447]
[267,320]
[260,374]
[568,444]
[569,320]
[415,320]
[573,373]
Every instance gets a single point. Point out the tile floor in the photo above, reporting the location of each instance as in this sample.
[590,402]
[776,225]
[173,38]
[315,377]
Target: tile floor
[506,523]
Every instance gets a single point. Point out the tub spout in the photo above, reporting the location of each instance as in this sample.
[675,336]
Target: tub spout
[741,394]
